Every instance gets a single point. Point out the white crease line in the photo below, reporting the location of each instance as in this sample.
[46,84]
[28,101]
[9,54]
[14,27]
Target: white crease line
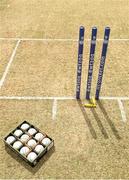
[114,98]
[9,64]
[36,98]
[36,39]
[10,39]
[56,39]
[57,98]
[54,109]
[123,114]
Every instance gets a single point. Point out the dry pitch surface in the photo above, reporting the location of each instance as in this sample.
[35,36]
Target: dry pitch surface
[38,59]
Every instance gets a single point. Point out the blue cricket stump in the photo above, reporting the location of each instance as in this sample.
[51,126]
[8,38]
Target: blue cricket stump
[91,61]
[80,59]
[102,61]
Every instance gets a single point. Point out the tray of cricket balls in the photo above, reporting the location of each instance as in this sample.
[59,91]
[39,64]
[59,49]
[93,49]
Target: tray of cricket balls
[29,142]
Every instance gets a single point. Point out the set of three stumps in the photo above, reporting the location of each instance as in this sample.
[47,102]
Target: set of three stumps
[91,63]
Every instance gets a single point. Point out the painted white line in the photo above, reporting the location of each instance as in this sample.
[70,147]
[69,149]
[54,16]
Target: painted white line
[36,39]
[9,64]
[54,109]
[36,98]
[10,39]
[123,114]
[56,39]
[57,98]
[124,98]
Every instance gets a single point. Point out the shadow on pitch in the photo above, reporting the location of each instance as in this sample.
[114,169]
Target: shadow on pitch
[98,120]
[91,128]
[99,123]
[109,121]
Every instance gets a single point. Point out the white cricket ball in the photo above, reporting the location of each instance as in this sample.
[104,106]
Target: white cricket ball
[10,139]
[24,151]
[32,131]
[18,132]
[25,126]
[39,148]
[46,141]
[39,136]
[32,156]
[17,145]
[24,138]
[31,143]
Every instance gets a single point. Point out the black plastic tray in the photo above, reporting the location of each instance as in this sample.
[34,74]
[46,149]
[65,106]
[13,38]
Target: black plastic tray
[40,155]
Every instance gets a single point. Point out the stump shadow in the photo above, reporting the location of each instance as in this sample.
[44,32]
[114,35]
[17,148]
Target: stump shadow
[109,121]
[89,124]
